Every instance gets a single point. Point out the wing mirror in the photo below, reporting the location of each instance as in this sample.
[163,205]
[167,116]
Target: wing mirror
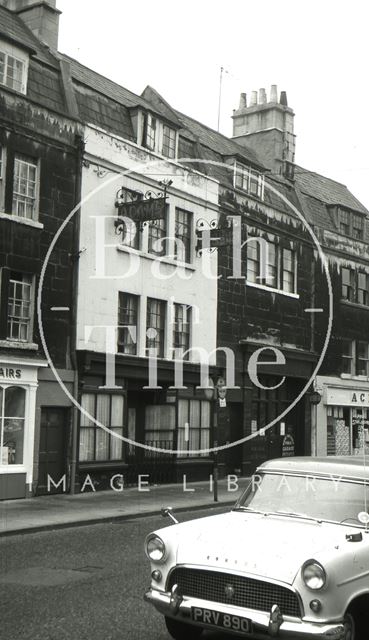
[167,512]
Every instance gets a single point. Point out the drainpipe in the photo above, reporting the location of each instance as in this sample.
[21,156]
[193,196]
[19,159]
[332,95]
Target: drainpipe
[74,293]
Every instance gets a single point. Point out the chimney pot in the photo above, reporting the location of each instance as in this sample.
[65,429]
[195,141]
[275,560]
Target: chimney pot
[254,98]
[283,99]
[262,96]
[273,93]
[243,101]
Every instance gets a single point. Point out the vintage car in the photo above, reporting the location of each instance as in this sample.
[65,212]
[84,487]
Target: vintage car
[291,560]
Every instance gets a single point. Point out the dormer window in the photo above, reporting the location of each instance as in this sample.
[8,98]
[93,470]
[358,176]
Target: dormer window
[150,132]
[13,68]
[159,137]
[169,142]
[249,180]
[350,223]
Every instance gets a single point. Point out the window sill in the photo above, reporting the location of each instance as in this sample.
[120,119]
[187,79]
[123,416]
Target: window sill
[272,290]
[356,305]
[153,257]
[14,344]
[350,376]
[12,468]
[25,221]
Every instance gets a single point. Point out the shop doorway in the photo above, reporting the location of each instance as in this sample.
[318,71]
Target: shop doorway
[55,423]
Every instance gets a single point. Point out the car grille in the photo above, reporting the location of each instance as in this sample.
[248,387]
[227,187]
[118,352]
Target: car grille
[250,593]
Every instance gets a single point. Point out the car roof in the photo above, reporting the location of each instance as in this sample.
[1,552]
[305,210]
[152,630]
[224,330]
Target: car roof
[343,466]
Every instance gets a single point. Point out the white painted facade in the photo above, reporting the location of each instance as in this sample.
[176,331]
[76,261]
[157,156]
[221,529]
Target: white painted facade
[106,267]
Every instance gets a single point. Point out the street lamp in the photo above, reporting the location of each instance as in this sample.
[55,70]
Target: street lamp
[215,394]
[315,399]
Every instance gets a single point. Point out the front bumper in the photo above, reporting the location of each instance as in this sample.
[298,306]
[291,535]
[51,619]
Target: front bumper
[265,625]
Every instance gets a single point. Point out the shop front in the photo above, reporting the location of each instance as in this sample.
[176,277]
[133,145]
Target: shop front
[155,421]
[18,388]
[342,417]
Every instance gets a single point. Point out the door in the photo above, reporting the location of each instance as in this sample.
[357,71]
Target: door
[55,423]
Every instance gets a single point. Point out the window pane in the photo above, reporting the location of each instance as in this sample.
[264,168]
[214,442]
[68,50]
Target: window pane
[181,330]
[103,409]
[86,444]
[13,441]
[102,444]
[24,187]
[253,269]
[116,444]
[271,275]
[169,142]
[157,237]
[15,398]
[127,323]
[183,224]
[117,404]
[155,323]
[87,403]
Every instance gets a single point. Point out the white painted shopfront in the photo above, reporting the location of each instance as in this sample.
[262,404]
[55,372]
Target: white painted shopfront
[18,388]
[342,417]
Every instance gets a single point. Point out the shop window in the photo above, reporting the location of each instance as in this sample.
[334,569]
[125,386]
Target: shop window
[127,323]
[193,426]
[181,331]
[13,68]
[271,265]
[157,237]
[360,430]
[155,326]
[249,180]
[25,187]
[17,292]
[159,427]
[183,232]
[355,358]
[96,444]
[12,423]
[338,431]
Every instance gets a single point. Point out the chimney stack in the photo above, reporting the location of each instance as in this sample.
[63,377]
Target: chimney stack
[243,101]
[262,96]
[254,98]
[273,93]
[41,17]
[267,127]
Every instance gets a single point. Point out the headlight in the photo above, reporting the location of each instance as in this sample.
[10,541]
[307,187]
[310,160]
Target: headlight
[155,549]
[313,575]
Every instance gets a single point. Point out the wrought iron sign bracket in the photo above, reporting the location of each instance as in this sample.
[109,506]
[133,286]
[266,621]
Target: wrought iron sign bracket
[138,208]
[211,237]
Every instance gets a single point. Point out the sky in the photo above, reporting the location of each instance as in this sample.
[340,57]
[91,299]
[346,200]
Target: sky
[316,51]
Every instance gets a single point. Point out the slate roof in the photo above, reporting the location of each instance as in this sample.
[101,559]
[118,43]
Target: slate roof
[104,86]
[217,141]
[326,190]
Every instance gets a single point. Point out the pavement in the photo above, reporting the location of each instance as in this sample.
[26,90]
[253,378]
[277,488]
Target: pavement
[63,510]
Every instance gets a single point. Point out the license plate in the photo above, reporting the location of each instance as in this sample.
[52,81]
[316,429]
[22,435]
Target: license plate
[219,619]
